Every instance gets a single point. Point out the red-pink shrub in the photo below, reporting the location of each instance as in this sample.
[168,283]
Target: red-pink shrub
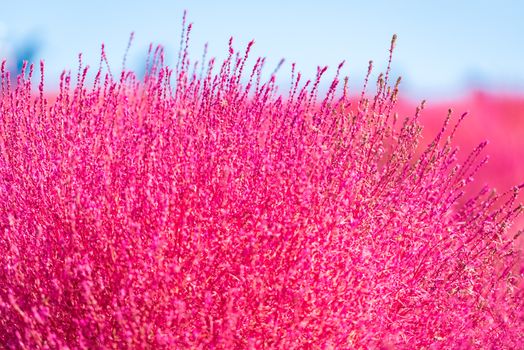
[199,212]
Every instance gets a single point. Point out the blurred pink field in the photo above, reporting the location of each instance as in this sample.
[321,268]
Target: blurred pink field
[495,117]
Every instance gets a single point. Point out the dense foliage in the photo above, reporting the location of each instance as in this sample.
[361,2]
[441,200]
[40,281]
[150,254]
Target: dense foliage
[207,211]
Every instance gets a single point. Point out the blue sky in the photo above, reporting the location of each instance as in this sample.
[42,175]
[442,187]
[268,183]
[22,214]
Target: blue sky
[444,47]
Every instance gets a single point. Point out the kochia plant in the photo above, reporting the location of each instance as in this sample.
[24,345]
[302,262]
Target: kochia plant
[184,211]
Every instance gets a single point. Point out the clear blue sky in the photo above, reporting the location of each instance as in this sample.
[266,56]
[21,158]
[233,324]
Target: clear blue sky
[444,46]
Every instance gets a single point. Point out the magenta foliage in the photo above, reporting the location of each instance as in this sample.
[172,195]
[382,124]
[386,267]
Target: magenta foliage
[187,211]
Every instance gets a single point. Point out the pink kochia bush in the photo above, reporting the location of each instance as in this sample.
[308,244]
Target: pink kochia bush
[190,211]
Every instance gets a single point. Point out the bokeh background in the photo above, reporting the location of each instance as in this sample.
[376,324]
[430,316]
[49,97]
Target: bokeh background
[444,48]
[467,55]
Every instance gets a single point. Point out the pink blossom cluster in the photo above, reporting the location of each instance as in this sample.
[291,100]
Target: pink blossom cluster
[210,211]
